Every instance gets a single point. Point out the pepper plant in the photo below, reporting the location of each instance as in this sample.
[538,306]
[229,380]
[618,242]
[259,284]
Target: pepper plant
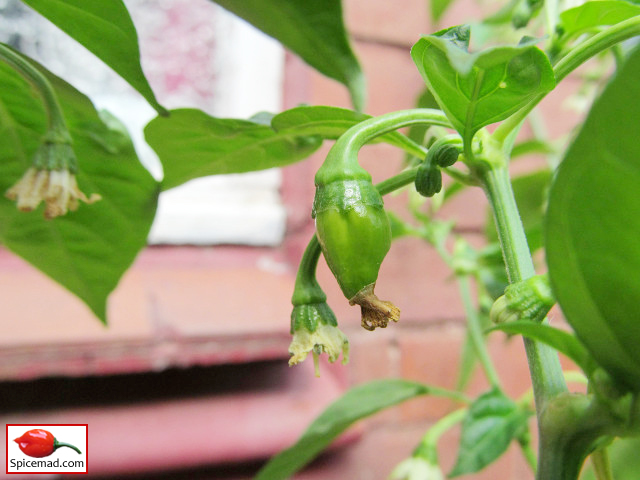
[57,146]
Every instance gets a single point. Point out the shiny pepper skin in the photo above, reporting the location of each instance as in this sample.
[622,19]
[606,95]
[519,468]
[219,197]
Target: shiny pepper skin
[40,443]
[353,231]
[36,443]
[355,235]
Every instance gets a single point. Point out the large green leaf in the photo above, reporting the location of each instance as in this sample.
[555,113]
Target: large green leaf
[493,421]
[357,403]
[314,30]
[583,18]
[593,228]
[330,123]
[87,251]
[105,28]
[192,144]
[477,89]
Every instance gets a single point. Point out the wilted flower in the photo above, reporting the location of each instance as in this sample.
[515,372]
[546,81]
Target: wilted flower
[57,188]
[315,331]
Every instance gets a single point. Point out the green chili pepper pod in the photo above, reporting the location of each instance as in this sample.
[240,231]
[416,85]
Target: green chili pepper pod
[354,233]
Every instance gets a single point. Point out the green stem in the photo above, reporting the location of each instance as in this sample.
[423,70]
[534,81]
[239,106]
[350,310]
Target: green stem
[57,124]
[544,365]
[442,426]
[342,159]
[307,290]
[475,332]
[397,181]
[573,425]
[576,57]
[601,464]
[596,44]
[57,444]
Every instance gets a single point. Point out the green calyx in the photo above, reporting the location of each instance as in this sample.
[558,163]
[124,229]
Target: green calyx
[56,152]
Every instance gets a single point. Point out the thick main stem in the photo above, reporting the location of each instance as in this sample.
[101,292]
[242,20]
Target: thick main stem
[546,373]
[544,365]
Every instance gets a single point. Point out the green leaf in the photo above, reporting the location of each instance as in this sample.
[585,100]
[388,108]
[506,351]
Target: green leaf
[531,192]
[357,403]
[192,144]
[578,20]
[329,123]
[477,89]
[105,28]
[438,7]
[86,251]
[593,226]
[493,421]
[562,341]
[314,30]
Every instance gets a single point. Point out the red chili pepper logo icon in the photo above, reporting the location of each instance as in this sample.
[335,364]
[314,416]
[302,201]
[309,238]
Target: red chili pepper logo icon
[39,443]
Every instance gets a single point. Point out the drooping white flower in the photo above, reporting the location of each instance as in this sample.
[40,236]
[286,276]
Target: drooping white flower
[57,188]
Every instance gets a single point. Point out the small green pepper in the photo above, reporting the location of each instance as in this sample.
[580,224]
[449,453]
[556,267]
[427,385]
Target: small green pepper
[351,224]
[355,235]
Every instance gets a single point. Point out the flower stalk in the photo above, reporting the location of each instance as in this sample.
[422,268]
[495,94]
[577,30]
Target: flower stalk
[52,176]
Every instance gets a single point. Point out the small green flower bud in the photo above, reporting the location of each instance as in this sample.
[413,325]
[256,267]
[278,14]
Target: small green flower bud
[428,180]
[445,155]
[530,299]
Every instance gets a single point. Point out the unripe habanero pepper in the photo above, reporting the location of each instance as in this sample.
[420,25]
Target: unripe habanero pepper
[355,235]
[40,443]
